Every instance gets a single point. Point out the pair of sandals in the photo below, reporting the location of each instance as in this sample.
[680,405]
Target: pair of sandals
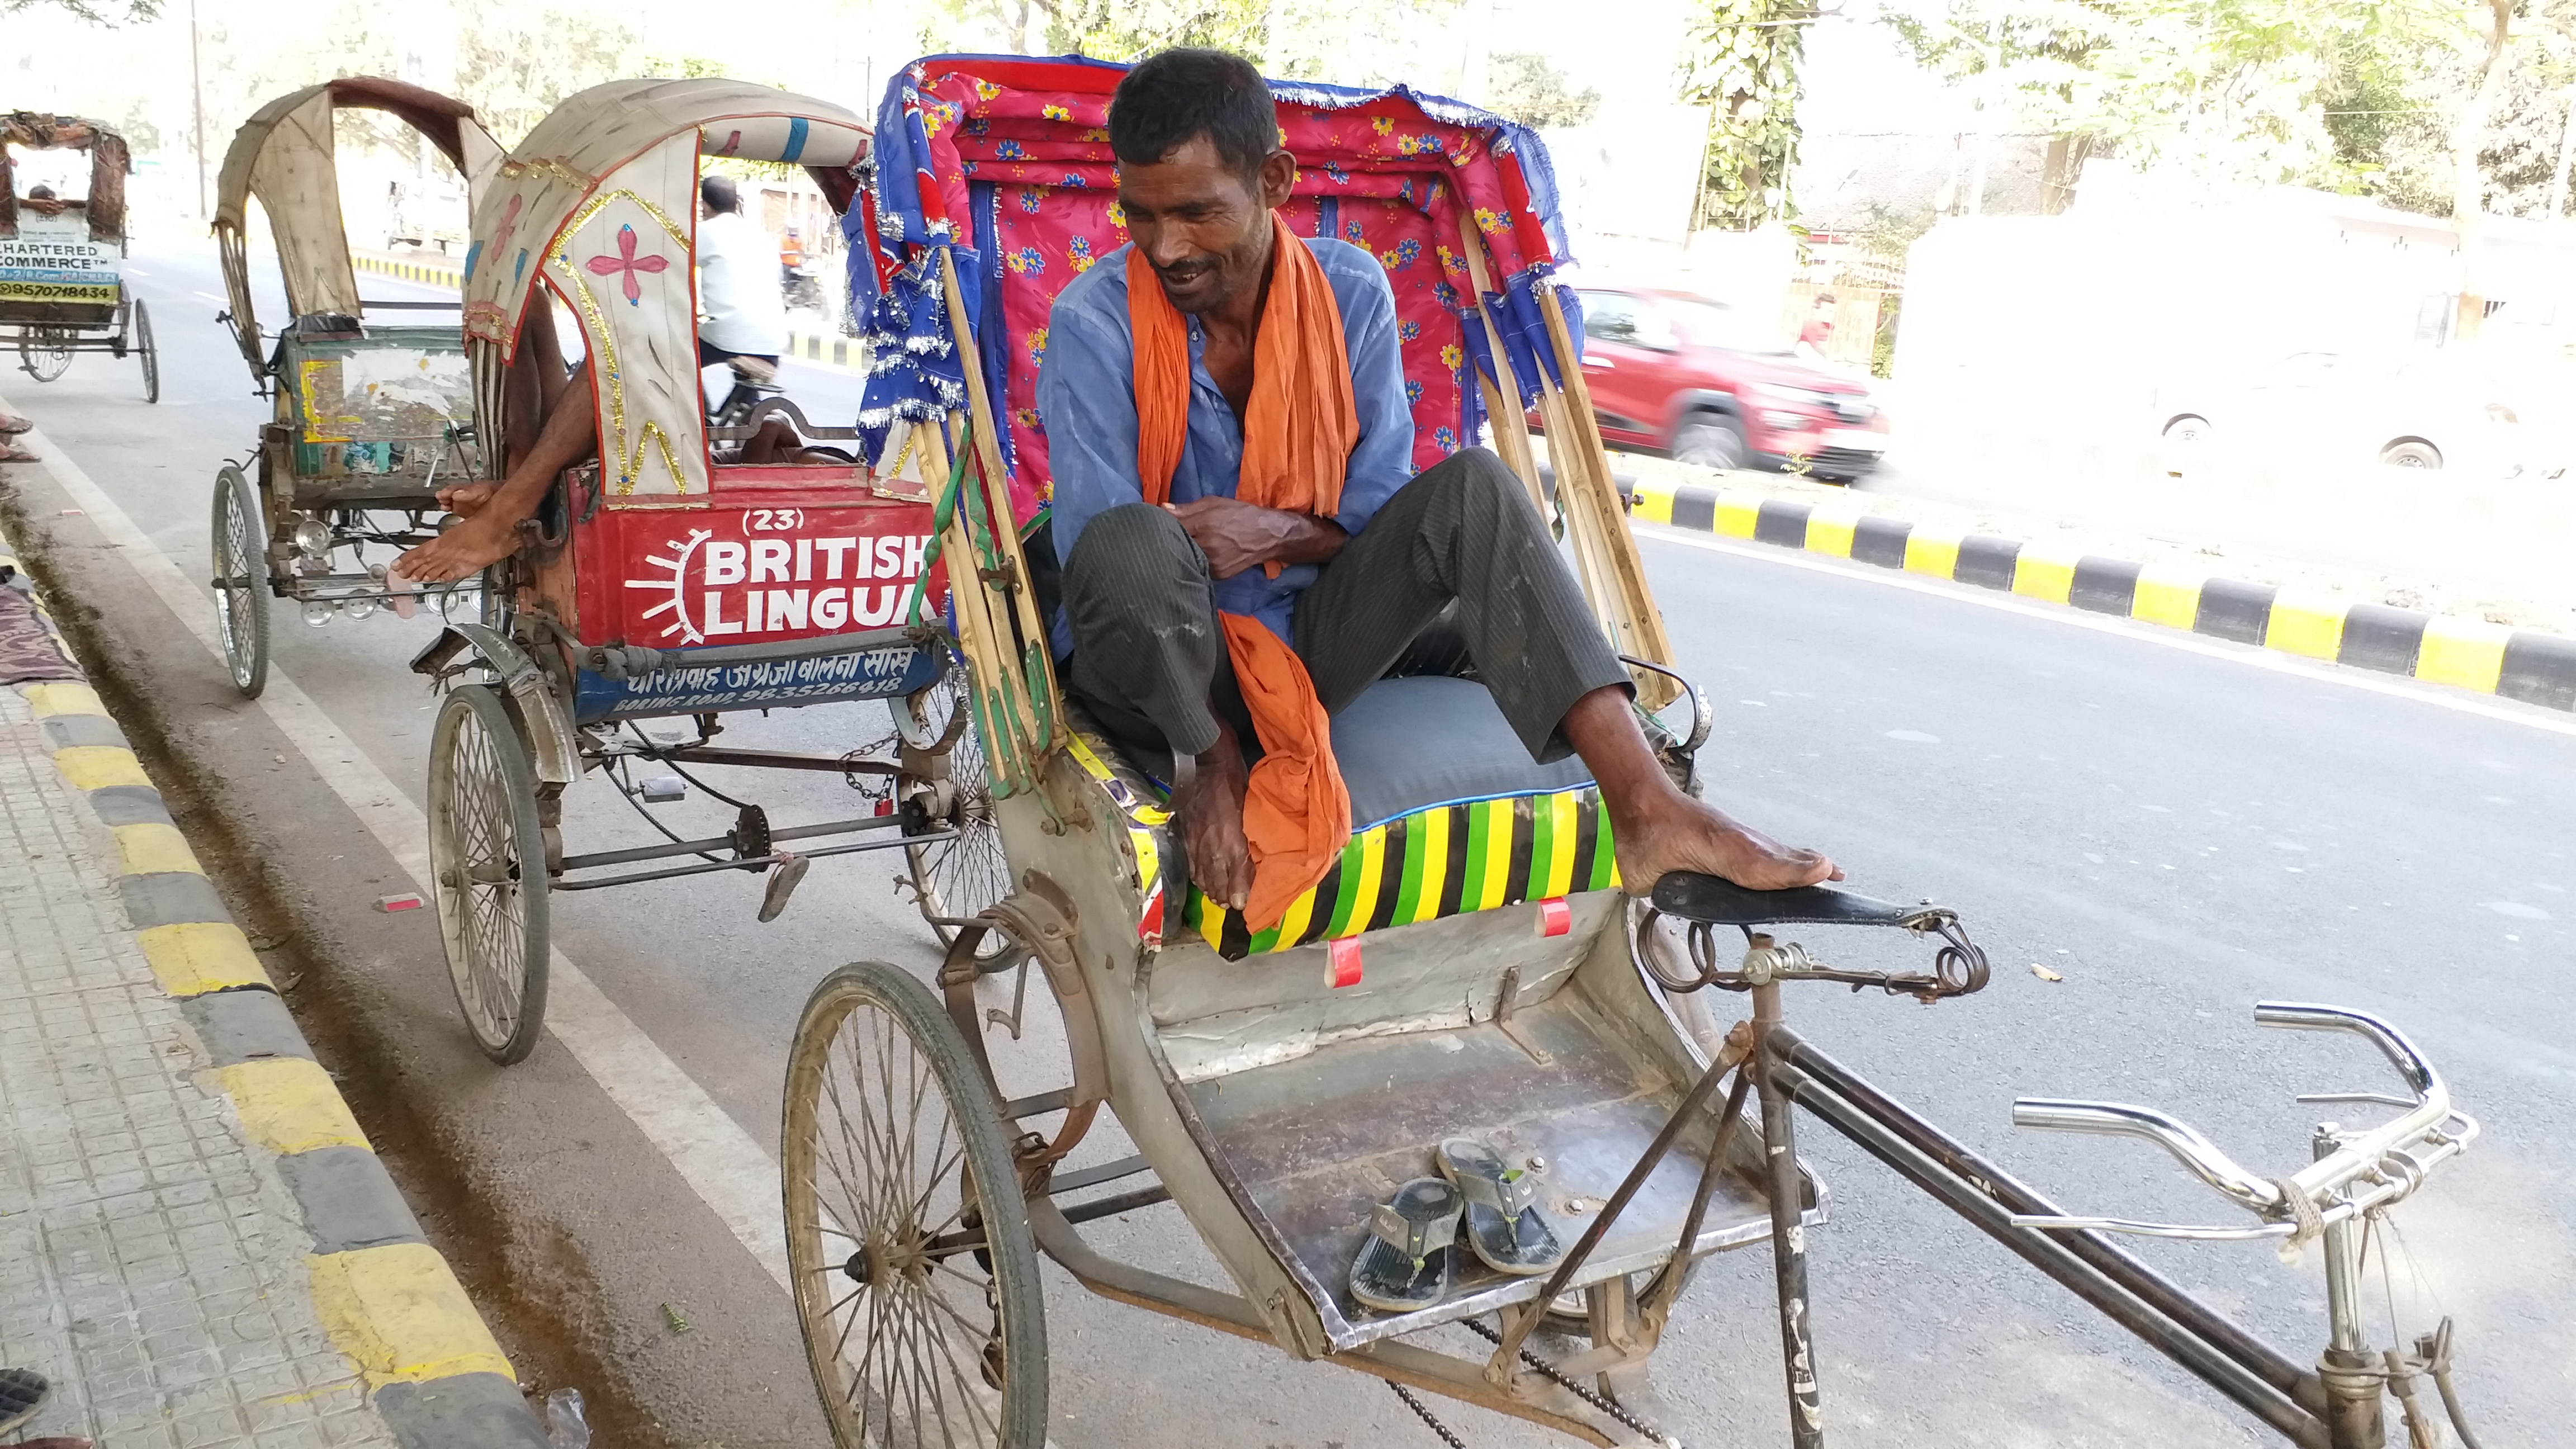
[1407,1262]
[10,428]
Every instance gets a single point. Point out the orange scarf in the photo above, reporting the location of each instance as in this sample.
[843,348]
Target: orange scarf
[1298,434]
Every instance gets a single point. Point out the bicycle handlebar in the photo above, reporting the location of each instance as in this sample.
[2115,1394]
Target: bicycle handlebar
[2386,1154]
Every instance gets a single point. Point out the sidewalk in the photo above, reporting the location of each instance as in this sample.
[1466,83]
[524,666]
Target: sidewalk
[197,1244]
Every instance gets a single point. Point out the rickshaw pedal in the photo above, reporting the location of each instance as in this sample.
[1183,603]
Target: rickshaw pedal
[784,877]
[663,789]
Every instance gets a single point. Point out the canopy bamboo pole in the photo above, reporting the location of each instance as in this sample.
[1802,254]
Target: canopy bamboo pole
[1595,497]
[1502,392]
[1029,654]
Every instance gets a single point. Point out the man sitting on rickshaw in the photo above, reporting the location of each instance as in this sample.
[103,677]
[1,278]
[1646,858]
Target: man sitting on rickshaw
[1244,545]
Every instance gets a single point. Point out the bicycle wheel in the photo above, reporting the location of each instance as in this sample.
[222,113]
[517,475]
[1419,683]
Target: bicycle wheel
[915,1277]
[241,580]
[487,869]
[151,354]
[45,352]
[957,878]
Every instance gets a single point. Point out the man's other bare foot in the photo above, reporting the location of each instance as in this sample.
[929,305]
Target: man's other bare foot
[1670,831]
[461,552]
[1212,825]
[465,499]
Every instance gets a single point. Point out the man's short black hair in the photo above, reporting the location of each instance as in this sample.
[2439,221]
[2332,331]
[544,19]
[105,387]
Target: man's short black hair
[719,194]
[1173,98]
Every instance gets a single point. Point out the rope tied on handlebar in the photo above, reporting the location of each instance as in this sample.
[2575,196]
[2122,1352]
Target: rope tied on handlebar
[2305,1221]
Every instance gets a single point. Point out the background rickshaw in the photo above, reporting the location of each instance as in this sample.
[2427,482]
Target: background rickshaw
[1469,969]
[61,271]
[663,580]
[372,415]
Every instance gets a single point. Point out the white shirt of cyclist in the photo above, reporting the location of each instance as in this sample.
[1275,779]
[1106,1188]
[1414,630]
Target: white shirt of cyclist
[738,287]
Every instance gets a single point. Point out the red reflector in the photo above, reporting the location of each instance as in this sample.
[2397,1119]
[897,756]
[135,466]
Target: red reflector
[1345,955]
[885,807]
[1150,929]
[1555,917]
[398,903]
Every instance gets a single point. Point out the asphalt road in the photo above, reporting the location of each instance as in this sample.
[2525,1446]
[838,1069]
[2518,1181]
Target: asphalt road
[2174,827]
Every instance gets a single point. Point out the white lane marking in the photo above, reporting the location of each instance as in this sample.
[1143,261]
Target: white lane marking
[730,1172]
[2394,686]
[208,297]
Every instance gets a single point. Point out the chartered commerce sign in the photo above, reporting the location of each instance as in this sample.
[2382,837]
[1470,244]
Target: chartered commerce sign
[57,269]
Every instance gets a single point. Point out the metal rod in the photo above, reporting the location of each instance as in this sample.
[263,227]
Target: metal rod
[1125,1202]
[1080,1178]
[1517,1326]
[1659,1299]
[1788,1235]
[369,304]
[724,842]
[2273,1366]
[757,862]
[771,760]
[2053,1256]
[1037,1106]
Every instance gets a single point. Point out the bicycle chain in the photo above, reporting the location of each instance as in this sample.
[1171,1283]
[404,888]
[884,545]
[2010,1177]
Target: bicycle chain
[1603,1402]
[1423,1409]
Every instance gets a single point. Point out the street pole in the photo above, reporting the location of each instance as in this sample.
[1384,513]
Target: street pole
[197,107]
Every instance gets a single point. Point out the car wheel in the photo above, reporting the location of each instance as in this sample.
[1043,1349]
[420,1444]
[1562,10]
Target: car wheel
[1711,440]
[2411,453]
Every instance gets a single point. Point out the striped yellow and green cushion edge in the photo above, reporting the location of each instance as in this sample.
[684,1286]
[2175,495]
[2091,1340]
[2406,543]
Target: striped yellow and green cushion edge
[1440,861]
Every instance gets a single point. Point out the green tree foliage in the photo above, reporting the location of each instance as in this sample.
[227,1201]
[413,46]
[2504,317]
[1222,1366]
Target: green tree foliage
[1741,61]
[1527,89]
[123,12]
[1331,40]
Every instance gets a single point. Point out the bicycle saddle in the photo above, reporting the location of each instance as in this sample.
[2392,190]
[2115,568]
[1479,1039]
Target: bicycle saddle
[1719,902]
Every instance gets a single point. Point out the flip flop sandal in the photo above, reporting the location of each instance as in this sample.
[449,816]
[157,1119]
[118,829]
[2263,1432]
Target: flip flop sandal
[1404,1265]
[9,424]
[21,1394]
[12,453]
[1504,1227]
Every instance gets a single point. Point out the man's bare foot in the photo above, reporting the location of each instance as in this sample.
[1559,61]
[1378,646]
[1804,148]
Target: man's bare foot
[465,499]
[1212,825]
[1669,831]
[461,552]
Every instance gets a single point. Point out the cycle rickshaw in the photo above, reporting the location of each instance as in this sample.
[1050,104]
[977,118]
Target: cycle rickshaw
[1469,970]
[62,261]
[667,579]
[372,415]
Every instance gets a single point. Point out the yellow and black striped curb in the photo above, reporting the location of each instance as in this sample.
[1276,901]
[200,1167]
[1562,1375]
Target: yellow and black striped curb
[424,273]
[2525,664]
[388,1299]
[847,353]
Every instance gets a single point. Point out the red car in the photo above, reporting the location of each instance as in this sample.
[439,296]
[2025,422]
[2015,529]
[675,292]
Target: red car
[1694,379]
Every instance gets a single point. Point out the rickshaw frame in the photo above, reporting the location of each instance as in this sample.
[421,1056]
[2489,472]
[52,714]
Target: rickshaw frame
[60,328]
[1157,1027]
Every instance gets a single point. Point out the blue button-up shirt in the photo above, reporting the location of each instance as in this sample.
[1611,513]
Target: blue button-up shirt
[1087,396]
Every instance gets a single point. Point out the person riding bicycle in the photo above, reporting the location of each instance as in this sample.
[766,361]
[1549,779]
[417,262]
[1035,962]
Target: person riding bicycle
[744,318]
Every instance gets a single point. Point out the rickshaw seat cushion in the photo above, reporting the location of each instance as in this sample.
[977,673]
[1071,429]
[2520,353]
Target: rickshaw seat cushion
[1410,744]
[1720,902]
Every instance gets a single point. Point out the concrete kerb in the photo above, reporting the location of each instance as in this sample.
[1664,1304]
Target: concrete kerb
[2529,665]
[387,1299]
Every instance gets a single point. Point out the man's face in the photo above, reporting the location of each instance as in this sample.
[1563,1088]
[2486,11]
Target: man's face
[1203,226]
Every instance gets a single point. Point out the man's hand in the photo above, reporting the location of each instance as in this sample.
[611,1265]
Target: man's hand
[1237,536]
